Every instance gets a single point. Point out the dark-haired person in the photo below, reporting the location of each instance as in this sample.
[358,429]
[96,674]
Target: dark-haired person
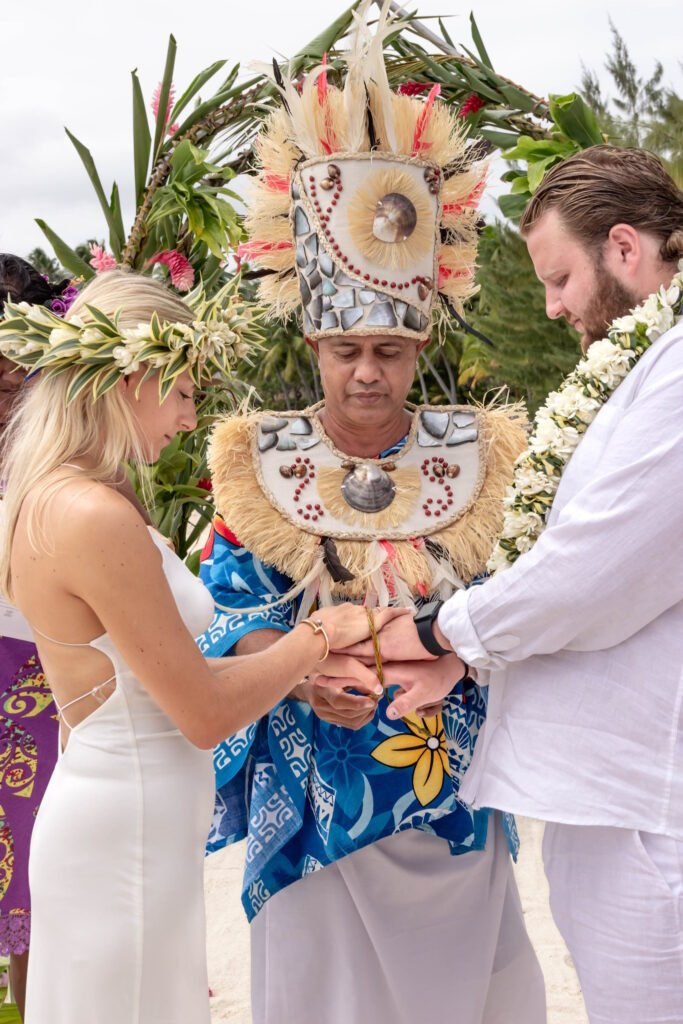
[28,719]
[581,639]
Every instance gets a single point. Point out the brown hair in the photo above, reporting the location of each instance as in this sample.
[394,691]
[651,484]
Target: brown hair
[607,185]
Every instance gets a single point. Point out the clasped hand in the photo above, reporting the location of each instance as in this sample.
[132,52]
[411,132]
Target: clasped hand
[345,689]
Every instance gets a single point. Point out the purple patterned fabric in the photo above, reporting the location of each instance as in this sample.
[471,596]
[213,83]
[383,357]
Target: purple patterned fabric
[28,752]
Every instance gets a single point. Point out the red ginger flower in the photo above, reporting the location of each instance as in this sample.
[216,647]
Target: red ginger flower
[172,129]
[472,104]
[182,271]
[413,88]
[205,483]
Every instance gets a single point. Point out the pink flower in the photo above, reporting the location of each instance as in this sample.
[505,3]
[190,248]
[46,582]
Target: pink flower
[472,104]
[101,259]
[413,88]
[182,271]
[172,129]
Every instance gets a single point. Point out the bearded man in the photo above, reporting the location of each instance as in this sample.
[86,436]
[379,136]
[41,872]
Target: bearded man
[581,639]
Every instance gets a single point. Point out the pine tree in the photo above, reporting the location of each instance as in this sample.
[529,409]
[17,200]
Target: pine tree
[643,112]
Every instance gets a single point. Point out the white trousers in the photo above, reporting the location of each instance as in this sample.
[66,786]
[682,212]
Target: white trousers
[617,899]
[399,932]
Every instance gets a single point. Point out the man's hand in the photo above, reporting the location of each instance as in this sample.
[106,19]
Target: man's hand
[398,640]
[331,703]
[423,685]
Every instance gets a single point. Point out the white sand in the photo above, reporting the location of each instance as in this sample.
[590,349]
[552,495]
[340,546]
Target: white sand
[228,935]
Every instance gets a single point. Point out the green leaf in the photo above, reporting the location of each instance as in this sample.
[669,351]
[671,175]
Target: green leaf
[516,98]
[520,185]
[192,562]
[479,85]
[115,204]
[166,82]
[105,323]
[479,42]
[513,206]
[116,239]
[142,140]
[106,381]
[81,380]
[195,85]
[575,119]
[65,254]
[537,171]
[324,42]
[445,34]
[501,140]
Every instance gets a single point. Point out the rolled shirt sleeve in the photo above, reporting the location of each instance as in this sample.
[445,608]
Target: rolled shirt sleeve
[612,559]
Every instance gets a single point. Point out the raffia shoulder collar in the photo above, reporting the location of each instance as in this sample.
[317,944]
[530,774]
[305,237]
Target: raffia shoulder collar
[285,490]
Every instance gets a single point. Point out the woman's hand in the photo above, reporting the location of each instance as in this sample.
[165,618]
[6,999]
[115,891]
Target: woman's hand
[421,684]
[347,624]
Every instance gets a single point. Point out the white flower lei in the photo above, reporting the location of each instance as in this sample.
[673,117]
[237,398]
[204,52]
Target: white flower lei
[560,424]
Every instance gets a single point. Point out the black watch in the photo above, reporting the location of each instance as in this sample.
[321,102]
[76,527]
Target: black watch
[424,621]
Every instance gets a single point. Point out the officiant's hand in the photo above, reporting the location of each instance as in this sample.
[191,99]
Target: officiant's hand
[422,685]
[331,702]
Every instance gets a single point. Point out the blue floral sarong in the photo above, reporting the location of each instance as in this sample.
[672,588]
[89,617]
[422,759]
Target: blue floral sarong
[304,792]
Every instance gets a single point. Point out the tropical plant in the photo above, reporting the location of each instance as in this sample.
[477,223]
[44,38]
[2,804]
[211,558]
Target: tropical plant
[574,127]
[530,354]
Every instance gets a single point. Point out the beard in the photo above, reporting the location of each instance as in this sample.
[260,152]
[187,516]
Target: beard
[608,301]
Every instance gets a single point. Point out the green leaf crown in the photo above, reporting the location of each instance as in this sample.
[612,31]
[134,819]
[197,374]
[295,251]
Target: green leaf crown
[225,331]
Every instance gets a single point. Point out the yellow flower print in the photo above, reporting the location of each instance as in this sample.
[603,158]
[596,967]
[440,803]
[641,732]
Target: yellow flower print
[425,748]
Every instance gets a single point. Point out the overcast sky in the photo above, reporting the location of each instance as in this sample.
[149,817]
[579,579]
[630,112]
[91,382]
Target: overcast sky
[69,64]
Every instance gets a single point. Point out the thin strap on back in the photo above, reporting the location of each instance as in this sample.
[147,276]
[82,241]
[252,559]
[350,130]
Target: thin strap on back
[61,708]
[61,643]
[72,465]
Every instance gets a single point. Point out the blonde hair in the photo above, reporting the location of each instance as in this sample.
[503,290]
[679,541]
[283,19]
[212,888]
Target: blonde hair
[44,432]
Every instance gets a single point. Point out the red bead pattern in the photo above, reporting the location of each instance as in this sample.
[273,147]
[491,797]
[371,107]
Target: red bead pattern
[436,470]
[310,511]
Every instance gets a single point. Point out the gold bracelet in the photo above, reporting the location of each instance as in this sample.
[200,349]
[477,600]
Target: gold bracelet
[318,628]
[376,648]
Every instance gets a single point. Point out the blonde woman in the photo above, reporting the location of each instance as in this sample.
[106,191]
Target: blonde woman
[117,851]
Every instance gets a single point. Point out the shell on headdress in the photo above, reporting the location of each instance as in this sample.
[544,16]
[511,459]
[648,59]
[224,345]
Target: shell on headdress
[367,488]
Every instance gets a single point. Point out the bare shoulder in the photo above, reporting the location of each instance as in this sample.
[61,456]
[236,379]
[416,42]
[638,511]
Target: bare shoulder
[88,515]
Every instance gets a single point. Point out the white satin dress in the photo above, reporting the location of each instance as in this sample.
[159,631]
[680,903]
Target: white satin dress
[116,863]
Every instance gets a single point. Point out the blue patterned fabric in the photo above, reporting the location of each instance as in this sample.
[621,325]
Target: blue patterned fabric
[304,792]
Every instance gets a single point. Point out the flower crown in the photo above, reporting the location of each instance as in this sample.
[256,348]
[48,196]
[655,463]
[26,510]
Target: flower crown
[225,331]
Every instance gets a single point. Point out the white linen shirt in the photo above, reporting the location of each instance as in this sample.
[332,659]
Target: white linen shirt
[581,640]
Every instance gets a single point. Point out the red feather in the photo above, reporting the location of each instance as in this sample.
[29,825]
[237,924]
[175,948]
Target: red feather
[422,120]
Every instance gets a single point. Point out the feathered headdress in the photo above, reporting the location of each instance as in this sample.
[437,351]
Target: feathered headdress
[364,207]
